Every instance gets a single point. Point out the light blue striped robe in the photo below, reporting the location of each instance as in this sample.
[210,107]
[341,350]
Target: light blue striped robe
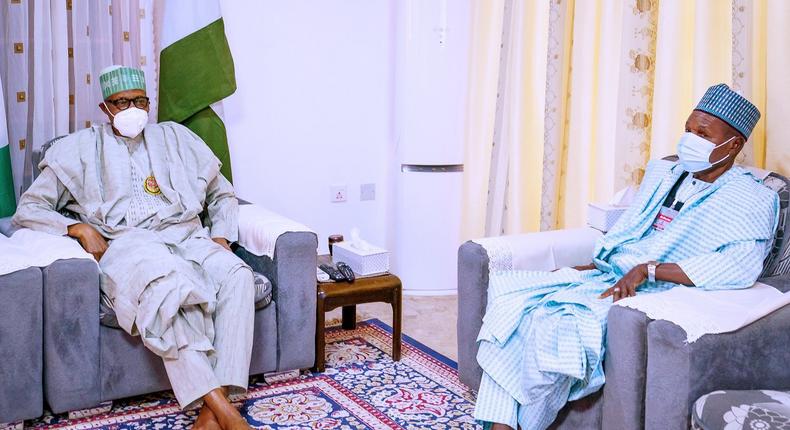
[542,339]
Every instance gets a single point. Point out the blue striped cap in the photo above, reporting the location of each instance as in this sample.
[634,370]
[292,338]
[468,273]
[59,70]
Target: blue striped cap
[730,107]
[115,79]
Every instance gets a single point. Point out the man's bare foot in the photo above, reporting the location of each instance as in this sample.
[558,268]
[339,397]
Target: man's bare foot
[206,420]
[228,417]
[499,426]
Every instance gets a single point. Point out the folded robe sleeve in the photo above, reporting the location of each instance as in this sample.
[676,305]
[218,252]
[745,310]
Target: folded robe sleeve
[39,206]
[222,209]
[734,266]
[737,264]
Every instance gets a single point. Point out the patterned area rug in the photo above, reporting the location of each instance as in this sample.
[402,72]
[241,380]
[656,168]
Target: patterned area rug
[362,388]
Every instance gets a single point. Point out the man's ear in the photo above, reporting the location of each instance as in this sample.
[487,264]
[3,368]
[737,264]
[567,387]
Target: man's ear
[103,107]
[740,142]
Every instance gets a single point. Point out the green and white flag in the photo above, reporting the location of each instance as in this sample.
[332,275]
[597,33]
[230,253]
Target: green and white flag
[7,198]
[195,71]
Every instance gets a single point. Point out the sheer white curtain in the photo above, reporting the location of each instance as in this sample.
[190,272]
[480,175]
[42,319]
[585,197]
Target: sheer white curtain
[569,99]
[52,53]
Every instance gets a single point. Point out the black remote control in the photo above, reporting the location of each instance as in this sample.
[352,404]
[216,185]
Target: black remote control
[333,273]
[346,271]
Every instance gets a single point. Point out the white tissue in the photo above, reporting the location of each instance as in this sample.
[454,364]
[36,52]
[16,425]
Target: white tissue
[624,197]
[357,242]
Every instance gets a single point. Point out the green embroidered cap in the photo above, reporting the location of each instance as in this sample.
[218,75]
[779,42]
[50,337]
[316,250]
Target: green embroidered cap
[115,79]
[730,107]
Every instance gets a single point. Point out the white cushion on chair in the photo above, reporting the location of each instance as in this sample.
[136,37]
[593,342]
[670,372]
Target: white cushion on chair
[699,312]
[259,229]
[547,250]
[29,248]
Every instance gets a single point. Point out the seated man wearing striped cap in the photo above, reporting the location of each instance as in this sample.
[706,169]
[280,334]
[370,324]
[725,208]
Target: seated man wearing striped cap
[136,191]
[542,339]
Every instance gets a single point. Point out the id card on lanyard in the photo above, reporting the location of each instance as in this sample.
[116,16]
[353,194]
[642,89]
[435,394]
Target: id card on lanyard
[664,218]
[670,209]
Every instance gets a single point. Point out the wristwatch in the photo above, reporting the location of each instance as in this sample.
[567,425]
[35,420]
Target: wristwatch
[651,270]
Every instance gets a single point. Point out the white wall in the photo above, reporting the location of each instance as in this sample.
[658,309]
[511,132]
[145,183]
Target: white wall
[313,108]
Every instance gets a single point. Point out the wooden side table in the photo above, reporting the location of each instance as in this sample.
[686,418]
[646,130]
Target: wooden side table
[331,295]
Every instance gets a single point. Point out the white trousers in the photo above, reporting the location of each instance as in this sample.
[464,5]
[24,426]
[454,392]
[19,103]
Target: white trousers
[195,373]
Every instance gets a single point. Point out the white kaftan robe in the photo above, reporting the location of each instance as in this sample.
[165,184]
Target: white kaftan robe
[189,299]
[542,339]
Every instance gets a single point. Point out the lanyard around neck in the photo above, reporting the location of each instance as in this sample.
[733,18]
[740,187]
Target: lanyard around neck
[670,201]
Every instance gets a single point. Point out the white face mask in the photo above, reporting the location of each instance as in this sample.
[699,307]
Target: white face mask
[694,152]
[129,122]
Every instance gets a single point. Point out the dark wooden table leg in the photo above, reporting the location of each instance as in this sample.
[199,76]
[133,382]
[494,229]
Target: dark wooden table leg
[349,317]
[320,340]
[396,323]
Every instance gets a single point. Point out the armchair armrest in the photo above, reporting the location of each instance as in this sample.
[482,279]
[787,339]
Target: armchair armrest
[678,373]
[476,259]
[292,273]
[284,251]
[473,274]
[71,334]
[20,346]
[70,316]
[625,365]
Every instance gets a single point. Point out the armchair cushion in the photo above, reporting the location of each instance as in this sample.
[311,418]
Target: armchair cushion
[747,409]
[263,291]
[778,260]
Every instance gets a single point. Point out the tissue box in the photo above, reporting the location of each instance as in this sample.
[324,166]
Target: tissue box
[369,262]
[602,217]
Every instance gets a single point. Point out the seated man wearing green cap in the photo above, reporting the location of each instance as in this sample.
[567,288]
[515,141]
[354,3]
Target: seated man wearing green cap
[136,192]
[701,222]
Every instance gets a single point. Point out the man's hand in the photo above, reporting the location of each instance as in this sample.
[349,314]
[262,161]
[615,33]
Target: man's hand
[90,239]
[222,242]
[627,285]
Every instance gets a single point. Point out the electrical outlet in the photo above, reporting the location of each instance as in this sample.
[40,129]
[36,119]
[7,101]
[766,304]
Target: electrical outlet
[338,193]
[367,192]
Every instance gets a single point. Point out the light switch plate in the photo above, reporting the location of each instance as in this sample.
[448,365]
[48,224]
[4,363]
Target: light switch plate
[367,192]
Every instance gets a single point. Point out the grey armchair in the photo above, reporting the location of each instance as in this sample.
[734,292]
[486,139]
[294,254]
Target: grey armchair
[88,361]
[652,375]
[21,346]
